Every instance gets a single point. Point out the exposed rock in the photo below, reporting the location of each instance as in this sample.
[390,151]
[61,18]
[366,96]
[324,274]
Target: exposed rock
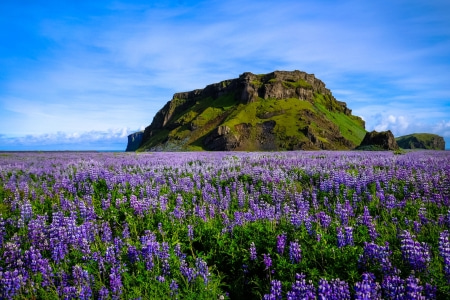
[383,140]
[221,140]
[134,141]
[421,141]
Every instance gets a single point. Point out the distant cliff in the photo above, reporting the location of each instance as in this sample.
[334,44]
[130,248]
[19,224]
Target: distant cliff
[379,141]
[421,141]
[281,110]
[134,141]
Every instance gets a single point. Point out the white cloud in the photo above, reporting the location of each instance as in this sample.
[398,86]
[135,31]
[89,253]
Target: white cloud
[402,123]
[111,139]
[399,125]
[443,128]
[391,119]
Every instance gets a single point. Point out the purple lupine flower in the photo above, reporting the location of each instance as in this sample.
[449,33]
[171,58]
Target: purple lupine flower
[106,232]
[59,251]
[340,289]
[295,252]
[417,226]
[335,289]
[275,291]
[444,251]
[150,247]
[267,261]
[11,282]
[115,282]
[110,256]
[165,268]
[309,225]
[281,243]
[12,255]
[430,291]
[26,211]
[413,288]
[447,219]
[178,252]
[67,292]
[367,220]
[296,220]
[202,270]
[368,288]
[125,231]
[393,287]
[252,251]
[324,290]
[187,271]
[106,203]
[163,252]
[37,264]
[82,282]
[137,206]
[173,287]
[340,237]
[415,253]
[301,289]
[422,215]
[344,211]
[133,254]
[103,293]
[3,231]
[323,219]
[349,236]
[190,232]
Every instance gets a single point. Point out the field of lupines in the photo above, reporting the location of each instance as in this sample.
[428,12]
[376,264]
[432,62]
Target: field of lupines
[291,225]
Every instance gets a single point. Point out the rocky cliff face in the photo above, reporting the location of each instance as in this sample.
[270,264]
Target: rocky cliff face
[134,141]
[275,111]
[421,141]
[379,141]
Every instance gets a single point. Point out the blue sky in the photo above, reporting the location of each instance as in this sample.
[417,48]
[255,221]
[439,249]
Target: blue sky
[82,75]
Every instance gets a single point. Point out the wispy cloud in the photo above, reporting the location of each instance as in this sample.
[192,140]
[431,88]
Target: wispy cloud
[111,139]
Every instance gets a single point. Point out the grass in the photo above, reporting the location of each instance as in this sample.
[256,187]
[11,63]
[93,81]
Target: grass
[158,138]
[199,118]
[249,113]
[424,138]
[350,127]
[296,84]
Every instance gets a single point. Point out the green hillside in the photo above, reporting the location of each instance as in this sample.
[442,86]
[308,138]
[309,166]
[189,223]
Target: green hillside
[248,113]
[421,141]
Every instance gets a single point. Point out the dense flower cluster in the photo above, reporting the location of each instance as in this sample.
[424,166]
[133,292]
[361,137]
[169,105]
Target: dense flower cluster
[292,225]
[415,253]
[444,250]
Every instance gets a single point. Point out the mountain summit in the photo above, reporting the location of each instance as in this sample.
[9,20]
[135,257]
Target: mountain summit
[281,110]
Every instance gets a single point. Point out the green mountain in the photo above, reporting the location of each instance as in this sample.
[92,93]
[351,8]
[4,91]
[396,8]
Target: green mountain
[268,112]
[421,141]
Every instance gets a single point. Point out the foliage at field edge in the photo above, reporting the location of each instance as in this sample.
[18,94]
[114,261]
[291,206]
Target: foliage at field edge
[291,225]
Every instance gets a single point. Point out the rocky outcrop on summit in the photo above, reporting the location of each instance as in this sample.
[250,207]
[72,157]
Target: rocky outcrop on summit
[421,141]
[281,110]
[134,141]
[374,140]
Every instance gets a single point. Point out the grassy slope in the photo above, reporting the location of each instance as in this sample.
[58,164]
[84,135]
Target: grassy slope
[425,138]
[350,127]
[204,115]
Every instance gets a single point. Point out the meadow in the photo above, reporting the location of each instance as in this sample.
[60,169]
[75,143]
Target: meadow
[203,225]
